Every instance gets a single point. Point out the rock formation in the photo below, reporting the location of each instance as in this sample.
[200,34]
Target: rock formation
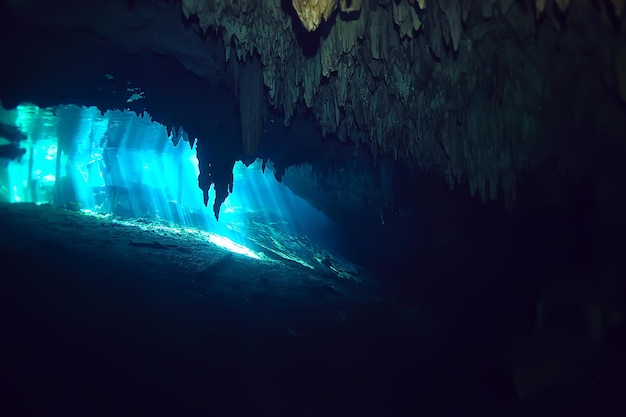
[477,92]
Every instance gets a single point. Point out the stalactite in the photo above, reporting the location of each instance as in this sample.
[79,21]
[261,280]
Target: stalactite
[388,73]
[251,104]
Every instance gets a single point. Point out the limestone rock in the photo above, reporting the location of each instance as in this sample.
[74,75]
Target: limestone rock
[401,11]
[453,14]
[540,5]
[417,22]
[313,12]
[435,31]
[464,96]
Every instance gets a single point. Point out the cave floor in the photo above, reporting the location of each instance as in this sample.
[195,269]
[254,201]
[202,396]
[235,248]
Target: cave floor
[274,270]
[110,316]
[162,319]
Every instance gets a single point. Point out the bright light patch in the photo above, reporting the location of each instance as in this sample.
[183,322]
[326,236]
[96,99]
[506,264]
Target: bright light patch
[229,245]
[16,196]
[221,241]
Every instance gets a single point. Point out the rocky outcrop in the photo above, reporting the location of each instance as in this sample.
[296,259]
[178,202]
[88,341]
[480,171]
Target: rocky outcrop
[470,89]
[476,91]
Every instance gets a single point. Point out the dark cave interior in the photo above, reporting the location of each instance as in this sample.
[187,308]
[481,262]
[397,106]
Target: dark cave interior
[386,260]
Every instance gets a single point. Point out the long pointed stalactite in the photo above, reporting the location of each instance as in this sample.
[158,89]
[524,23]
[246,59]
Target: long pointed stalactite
[251,104]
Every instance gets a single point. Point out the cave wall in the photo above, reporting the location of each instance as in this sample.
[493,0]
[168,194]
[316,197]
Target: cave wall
[477,93]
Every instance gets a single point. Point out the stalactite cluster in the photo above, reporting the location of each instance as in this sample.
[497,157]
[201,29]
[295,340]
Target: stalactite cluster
[452,85]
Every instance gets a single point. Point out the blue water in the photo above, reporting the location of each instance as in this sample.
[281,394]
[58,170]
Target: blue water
[127,165]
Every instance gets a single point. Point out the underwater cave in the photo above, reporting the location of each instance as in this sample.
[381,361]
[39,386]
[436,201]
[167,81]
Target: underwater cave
[299,208]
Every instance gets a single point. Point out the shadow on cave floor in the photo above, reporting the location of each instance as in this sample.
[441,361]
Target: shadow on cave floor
[106,317]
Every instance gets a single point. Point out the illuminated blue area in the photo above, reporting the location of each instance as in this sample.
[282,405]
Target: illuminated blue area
[258,194]
[125,165]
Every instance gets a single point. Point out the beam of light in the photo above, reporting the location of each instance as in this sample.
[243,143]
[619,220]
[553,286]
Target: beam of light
[220,241]
[228,244]
[125,166]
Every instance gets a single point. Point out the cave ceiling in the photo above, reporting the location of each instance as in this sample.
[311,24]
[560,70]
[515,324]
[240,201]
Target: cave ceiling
[477,92]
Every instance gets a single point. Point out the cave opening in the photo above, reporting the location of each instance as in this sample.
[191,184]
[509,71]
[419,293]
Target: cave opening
[127,168]
[304,208]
